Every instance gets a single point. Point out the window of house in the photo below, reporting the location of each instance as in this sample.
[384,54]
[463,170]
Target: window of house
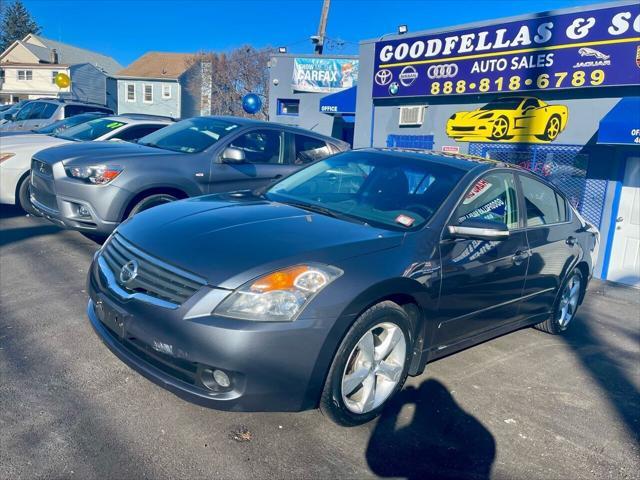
[131,92]
[541,202]
[288,107]
[166,91]
[1,75]
[53,77]
[25,74]
[147,92]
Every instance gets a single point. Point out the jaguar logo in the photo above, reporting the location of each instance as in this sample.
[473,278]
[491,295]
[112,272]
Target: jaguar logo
[129,272]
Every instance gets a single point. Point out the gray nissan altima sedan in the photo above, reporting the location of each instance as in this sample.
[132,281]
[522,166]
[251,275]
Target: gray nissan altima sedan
[333,285]
[94,186]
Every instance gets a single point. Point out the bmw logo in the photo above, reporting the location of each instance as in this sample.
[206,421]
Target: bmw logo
[393,88]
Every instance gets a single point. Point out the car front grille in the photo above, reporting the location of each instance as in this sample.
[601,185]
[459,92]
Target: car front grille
[463,129]
[41,167]
[152,277]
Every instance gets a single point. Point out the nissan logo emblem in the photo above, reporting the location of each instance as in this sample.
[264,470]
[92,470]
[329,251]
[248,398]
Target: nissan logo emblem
[383,77]
[447,70]
[129,272]
[408,75]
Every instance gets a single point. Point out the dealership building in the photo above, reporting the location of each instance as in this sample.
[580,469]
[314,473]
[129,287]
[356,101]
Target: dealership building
[314,92]
[558,93]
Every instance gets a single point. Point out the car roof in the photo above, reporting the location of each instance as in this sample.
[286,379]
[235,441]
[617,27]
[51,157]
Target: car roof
[455,160]
[243,121]
[136,121]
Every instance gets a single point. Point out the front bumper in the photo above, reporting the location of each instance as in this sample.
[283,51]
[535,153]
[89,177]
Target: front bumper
[74,205]
[272,366]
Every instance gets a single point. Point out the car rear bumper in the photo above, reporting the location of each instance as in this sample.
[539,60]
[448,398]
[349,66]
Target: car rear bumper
[272,367]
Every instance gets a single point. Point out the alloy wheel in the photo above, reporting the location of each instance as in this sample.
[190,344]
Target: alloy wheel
[374,368]
[500,127]
[569,302]
[553,128]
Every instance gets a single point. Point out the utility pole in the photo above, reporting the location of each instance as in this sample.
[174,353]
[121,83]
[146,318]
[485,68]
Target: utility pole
[318,39]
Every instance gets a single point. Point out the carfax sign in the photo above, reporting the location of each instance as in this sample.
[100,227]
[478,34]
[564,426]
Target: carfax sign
[324,74]
[574,50]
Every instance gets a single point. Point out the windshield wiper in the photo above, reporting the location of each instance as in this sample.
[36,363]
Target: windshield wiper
[326,211]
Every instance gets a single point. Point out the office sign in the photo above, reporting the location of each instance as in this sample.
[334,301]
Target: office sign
[588,48]
[324,74]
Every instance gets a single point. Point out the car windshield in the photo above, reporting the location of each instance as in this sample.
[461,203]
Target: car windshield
[91,130]
[503,104]
[389,191]
[65,123]
[189,136]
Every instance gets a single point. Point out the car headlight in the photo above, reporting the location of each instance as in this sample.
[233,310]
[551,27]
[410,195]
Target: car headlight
[6,156]
[485,116]
[452,117]
[98,174]
[278,296]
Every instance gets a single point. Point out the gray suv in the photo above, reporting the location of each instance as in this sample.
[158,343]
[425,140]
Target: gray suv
[40,113]
[94,186]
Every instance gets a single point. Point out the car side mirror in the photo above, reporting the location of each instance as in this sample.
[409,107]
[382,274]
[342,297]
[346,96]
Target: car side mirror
[233,155]
[479,229]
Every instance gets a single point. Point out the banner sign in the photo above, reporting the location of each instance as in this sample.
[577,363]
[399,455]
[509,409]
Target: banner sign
[591,48]
[324,74]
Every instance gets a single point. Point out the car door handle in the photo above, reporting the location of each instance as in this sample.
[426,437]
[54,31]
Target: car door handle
[277,177]
[520,256]
[571,241]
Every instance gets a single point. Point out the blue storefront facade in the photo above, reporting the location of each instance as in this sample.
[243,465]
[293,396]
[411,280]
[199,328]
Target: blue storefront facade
[557,93]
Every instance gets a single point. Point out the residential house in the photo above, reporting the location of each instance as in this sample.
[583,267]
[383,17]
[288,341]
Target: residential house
[28,68]
[161,83]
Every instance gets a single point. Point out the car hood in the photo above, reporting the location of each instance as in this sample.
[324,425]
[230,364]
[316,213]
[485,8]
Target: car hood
[231,241]
[98,152]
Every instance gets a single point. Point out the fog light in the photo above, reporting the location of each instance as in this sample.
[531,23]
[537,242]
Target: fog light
[83,211]
[221,378]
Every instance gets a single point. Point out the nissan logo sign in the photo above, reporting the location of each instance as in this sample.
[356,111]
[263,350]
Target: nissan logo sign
[383,77]
[408,75]
[447,70]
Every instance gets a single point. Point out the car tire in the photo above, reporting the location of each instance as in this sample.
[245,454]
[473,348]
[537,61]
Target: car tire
[552,129]
[23,198]
[500,129]
[150,202]
[361,369]
[565,305]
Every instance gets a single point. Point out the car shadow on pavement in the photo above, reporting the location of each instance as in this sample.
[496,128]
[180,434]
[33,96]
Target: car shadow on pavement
[441,441]
[605,366]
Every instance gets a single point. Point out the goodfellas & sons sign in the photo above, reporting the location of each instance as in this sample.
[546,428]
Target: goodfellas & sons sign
[589,48]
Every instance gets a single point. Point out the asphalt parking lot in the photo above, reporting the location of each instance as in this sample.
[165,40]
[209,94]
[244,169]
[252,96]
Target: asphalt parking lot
[526,405]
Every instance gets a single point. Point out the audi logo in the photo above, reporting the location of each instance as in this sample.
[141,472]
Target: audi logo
[383,77]
[447,70]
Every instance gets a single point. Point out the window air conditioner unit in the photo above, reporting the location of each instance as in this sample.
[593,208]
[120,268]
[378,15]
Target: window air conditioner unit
[411,116]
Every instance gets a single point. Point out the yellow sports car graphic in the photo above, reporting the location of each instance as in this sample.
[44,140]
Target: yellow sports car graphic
[509,119]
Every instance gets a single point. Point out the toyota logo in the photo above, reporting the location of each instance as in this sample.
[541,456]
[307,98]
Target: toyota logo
[129,272]
[447,70]
[408,75]
[383,77]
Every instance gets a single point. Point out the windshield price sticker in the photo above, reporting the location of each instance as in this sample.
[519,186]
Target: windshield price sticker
[600,47]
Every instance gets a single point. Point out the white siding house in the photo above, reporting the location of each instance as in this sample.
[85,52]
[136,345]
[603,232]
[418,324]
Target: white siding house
[28,66]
